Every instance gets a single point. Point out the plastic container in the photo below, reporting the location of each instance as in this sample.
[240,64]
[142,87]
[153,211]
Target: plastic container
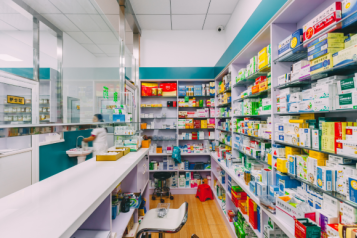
[146,143]
[162,209]
[143,125]
[268,202]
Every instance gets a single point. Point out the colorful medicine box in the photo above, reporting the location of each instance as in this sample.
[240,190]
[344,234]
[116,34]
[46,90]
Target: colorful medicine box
[345,56]
[327,43]
[329,36]
[321,63]
[346,86]
[327,17]
[324,52]
[290,43]
[352,185]
[292,164]
[326,178]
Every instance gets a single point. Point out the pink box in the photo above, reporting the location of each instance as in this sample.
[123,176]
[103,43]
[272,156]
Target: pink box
[327,17]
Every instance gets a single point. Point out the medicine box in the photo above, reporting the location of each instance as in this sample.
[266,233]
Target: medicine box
[346,101]
[326,178]
[306,106]
[293,107]
[305,137]
[351,133]
[278,150]
[325,219]
[348,85]
[345,56]
[294,97]
[324,90]
[279,127]
[323,104]
[320,52]
[350,41]
[321,63]
[261,189]
[352,185]
[291,42]
[333,35]
[292,164]
[315,139]
[299,65]
[311,170]
[283,79]
[325,18]
[291,139]
[340,160]
[307,94]
[327,43]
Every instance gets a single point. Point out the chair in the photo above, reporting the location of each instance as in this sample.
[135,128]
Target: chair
[203,192]
[162,190]
[171,223]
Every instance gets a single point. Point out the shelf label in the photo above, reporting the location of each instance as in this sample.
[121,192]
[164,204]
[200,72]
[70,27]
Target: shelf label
[15,100]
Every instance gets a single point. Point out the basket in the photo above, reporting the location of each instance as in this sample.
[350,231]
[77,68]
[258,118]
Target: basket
[146,143]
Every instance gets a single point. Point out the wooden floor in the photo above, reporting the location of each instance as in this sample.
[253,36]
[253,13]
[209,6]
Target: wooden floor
[204,218]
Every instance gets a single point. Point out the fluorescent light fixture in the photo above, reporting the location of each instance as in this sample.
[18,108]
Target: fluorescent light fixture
[8,58]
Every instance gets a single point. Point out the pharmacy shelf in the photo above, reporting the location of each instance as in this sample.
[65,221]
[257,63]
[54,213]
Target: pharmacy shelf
[258,160]
[223,117]
[317,112]
[196,96]
[224,105]
[295,83]
[255,137]
[297,54]
[196,107]
[224,143]
[334,194]
[247,219]
[175,188]
[301,147]
[256,95]
[163,140]
[120,223]
[223,130]
[264,115]
[225,91]
[159,97]
[218,180]
[159,117]
[158,107]
[287,230]
[194,140]
[197,118]
[189,170]
[160,129]
[250,79]
[196,129]
[194,154]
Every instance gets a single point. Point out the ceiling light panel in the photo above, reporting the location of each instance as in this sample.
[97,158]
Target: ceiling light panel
[61,21]
[151,6]
[92,48]
[104,38]
[195,7]
[154,22]
[80,37]
[222,6]
[74,6]
[212,21]
[187,22]
[88,22]
[42,6]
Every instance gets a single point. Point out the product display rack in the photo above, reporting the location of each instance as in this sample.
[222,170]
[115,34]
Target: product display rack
[172,113]
[292,16]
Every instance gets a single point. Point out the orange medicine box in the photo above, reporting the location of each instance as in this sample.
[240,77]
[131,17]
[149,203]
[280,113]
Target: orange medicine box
[255,89]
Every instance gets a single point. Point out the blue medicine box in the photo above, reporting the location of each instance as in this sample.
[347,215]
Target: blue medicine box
[198,90]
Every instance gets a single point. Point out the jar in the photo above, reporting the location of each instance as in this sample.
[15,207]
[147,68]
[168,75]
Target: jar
[14,118]
[6,110]
[23,109]
[6,118]
[14,109]
[41,109]
[44,109]
[28,109]
[18,109]
[42,101]
[20,118]
[47,101]
[27,101]
[42,117]
[28,118]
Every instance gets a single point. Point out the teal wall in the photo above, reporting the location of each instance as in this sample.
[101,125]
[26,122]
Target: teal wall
[28,72]
[262,14]
[53,157]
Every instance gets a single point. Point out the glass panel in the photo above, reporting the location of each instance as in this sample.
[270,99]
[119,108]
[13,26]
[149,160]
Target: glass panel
[15,105]
[16,41]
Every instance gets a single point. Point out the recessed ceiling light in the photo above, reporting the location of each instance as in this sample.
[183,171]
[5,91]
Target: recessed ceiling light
[8,58]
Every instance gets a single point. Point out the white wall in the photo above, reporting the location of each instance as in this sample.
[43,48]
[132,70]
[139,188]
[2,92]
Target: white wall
[240,16]
[189,48]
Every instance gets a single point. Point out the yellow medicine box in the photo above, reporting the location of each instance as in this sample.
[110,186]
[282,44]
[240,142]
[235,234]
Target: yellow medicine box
[328,143]
[318,155]
[203,124]
[292,151]
[321,63]
[281,165]
[270,159]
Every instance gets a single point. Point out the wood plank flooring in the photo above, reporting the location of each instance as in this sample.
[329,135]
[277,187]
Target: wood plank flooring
[204,218]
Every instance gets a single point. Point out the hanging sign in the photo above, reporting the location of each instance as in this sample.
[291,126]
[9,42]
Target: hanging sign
[105,92]
[15,100]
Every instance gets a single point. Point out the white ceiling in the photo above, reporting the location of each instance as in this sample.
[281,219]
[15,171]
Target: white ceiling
[183,14]
[92,27]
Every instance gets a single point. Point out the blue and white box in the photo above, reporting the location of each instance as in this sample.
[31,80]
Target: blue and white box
[292,164]
[261,189]
[290,42]
[326,178]
[352,185]
[273,189]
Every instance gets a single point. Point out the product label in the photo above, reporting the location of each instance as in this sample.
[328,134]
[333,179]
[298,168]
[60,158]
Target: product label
[347,84]
[345,99]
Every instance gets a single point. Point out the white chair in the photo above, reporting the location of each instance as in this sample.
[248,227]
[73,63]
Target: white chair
[171,223]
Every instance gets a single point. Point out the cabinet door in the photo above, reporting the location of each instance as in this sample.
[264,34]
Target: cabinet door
[143,173]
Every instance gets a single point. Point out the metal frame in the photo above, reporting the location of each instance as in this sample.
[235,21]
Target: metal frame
[162,232]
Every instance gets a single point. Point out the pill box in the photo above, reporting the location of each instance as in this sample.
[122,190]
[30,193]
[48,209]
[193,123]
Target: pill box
[322,51]
[344,56]
[294,97]
[306,106]
[293,107]
[279,127]
[344,147]
[348,85]
[340,160]
[332,35]
[305,137]
[292,164]
[307,94]
[315,139]
[327,43]
[326,178]
[352,185]
[324,19]
[323,104]
[346,101]
[291,139]
[321,63]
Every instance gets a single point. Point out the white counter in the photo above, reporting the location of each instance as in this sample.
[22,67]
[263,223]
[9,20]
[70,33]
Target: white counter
[57,206]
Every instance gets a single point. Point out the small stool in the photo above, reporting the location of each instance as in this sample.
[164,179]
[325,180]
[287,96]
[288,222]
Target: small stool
[171,223]
[162,190]
[203,192]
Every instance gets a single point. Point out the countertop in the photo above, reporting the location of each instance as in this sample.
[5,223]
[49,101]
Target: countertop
[57,206]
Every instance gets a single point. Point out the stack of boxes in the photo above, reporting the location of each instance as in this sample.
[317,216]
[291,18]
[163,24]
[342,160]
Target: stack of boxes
[224,98]
[264,57]
[347,93]
[290,43]
[253,127]
[284,102]
[273,231]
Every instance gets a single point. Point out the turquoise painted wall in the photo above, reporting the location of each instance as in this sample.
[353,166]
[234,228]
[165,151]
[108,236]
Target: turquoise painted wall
[262,14]
[53,157]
